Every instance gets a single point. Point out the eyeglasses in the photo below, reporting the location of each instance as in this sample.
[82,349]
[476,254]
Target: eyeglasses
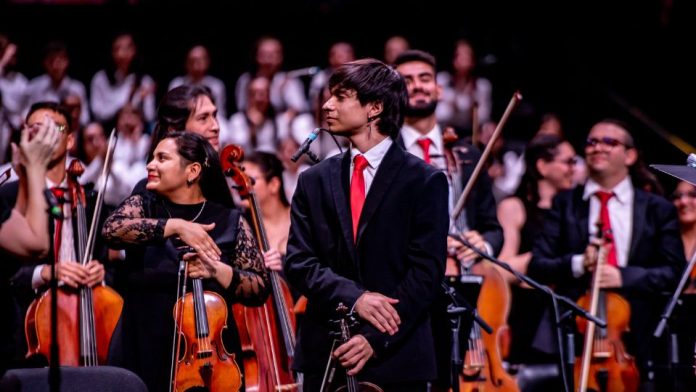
[679,195]
[605,141]
[570,161]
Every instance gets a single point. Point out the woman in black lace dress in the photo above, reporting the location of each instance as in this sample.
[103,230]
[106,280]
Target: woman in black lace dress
[185,201]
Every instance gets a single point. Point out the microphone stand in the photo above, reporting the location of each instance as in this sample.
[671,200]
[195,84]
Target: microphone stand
[566,360]
[54,366]
[667,315]
[456,309]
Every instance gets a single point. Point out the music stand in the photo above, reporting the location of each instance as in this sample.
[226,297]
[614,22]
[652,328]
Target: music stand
[685,173]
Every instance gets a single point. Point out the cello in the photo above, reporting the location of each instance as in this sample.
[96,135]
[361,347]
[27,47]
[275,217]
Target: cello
[605,365]
[482,368]
[267,332]
[200,318]
[87,316]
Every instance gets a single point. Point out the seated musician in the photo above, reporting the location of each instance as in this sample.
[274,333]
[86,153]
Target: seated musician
[645,254]
[32,279]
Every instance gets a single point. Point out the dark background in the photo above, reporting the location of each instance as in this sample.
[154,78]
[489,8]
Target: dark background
[576,58]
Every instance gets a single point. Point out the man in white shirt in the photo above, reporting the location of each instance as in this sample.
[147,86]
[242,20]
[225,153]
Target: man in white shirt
[422,136]
[644,251]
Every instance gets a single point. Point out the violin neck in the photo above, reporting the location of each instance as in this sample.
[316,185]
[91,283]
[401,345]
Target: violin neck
[199,310]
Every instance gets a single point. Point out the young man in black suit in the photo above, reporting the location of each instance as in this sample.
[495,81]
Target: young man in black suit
[644,252]
[369,230]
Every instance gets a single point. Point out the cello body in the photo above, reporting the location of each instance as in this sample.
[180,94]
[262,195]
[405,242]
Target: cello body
[483,365]
[267,332]
[261,344]
[37,328]
[86,316]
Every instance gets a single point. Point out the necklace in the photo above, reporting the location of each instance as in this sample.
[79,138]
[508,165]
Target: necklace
[194,218]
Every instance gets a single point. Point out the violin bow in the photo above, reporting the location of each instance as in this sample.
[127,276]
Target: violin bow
[516,97]
[106,169]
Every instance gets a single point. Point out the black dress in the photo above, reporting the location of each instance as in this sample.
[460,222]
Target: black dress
[148,280]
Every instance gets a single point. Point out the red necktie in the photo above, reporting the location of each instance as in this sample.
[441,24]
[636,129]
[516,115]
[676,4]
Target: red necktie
[59,193]
[357,191]
[606,224]
[425,145]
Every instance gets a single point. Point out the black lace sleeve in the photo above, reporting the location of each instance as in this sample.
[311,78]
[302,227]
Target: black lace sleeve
[250,284]
[127,225]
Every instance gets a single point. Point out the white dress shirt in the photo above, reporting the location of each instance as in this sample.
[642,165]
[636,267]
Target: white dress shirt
[620,215]
[374,157]
[66,253]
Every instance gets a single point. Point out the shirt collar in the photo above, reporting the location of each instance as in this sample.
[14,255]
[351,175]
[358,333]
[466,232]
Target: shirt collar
[374,155]
[410,135]
[623,191]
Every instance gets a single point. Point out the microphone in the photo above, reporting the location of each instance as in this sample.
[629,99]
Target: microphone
[54,208]
[304,148]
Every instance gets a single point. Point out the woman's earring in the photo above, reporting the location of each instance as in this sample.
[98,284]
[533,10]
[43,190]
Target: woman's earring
[189,182]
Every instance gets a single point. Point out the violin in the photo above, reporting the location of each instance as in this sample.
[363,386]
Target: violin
[267,332]
[200,318]
[86,317]
[345,322]
[605,365]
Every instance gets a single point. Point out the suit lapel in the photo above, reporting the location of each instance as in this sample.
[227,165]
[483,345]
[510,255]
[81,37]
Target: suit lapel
[385,176]
[640,205]
[340,191]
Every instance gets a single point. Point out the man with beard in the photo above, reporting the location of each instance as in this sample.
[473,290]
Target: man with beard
[422,136]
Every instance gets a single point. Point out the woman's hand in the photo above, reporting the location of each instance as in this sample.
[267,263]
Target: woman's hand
[196,236]
[273,260]
[199,268]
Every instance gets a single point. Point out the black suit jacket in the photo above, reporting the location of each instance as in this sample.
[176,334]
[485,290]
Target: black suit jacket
[655,260]
[400,252]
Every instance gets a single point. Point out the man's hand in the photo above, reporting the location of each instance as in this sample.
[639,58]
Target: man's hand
[610,277]
[378,310]
[591,254]
[71,273]
[354,354]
